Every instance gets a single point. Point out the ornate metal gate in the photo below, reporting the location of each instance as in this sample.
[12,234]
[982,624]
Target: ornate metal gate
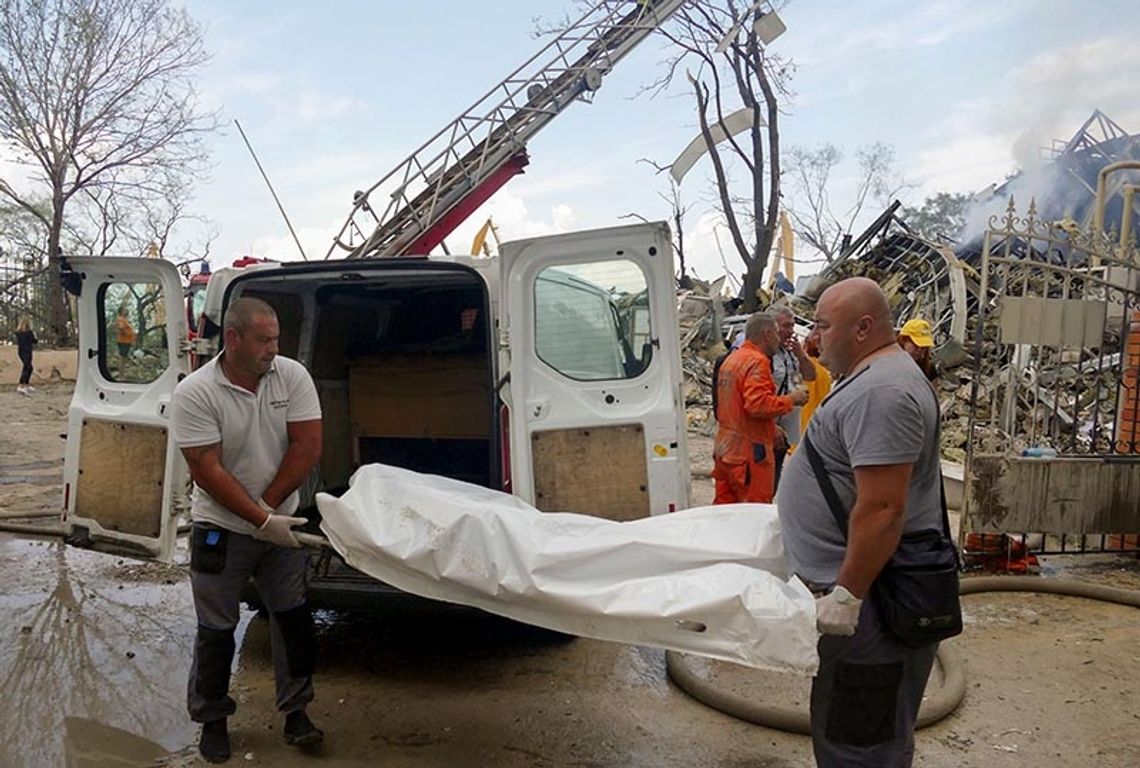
[1054,443]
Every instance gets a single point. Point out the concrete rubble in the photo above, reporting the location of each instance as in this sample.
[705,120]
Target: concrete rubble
[1064,400]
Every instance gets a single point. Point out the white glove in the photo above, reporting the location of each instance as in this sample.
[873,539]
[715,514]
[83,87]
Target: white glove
[837,612]
[278,529]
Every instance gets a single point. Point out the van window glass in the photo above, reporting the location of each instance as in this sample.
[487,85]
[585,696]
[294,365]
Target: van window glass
[592,320]
[197,304]
[133,349]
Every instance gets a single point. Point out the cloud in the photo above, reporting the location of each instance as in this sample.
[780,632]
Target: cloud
[513,220]
[963,163]
[560,183]
[310,105]
[1045,98]
[921,25]
[511,215]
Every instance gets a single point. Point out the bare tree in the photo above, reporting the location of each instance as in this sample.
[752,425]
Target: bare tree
[729,69]
[139,219]
[809,191]
[96,95]
[678,217]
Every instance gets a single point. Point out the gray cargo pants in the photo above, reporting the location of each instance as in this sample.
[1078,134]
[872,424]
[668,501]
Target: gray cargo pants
[865,697]
[280,575]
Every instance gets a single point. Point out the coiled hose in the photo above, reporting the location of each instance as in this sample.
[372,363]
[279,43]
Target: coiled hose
[935,706]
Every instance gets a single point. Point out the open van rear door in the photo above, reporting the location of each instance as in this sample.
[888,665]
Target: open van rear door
[124,480]
[597,422]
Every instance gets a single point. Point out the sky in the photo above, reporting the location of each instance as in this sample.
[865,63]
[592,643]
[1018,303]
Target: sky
[334,95]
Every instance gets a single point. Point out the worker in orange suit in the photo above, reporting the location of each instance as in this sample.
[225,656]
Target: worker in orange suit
[744,463]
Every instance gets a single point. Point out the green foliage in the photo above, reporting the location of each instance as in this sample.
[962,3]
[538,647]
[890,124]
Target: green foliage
[940,217]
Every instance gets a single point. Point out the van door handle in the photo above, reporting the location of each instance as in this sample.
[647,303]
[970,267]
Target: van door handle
[92,353]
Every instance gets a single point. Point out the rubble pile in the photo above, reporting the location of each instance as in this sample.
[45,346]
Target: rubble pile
[701,310]
[1066,401]
[1063,399]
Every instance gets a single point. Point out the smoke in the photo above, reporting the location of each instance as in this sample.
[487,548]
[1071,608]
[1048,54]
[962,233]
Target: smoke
[1057,188]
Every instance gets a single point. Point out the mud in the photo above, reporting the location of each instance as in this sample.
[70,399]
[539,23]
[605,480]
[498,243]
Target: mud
[94,651]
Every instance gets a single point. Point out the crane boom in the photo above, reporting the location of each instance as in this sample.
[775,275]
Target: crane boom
[433,190]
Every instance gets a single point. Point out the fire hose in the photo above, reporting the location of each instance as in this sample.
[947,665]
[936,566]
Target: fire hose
[934,707]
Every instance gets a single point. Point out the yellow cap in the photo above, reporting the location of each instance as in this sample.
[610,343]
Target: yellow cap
[918,331]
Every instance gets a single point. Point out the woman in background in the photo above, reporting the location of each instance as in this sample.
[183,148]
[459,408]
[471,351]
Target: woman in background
[25,340]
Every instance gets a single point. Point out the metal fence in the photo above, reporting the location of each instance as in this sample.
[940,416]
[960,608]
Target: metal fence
[24,293]
[1053,458]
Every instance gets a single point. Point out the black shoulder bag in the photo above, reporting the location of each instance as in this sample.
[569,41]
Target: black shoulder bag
[916,593]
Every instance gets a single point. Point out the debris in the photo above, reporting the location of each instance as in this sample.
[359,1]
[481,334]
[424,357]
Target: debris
[1068,389]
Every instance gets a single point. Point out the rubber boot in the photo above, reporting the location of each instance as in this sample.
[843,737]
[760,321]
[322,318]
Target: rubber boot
[300,731]
[214,744]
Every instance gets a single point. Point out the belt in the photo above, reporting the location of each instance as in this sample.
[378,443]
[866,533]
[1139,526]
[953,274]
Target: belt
[817,588]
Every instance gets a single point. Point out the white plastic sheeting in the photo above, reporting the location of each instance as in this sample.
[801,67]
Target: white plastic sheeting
[710,581]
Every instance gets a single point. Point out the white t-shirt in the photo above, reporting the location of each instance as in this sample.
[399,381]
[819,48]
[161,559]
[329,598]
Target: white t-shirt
[786,373]
[208,408]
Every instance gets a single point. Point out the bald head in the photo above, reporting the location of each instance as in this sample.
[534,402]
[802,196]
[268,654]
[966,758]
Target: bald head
[853,319]
[858,297]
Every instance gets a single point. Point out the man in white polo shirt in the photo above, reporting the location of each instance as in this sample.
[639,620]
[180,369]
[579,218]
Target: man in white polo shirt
[249,424]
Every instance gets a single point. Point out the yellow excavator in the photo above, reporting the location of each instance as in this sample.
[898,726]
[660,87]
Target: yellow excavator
[479,246]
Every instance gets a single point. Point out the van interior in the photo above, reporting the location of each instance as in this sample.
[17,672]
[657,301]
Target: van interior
[402,361]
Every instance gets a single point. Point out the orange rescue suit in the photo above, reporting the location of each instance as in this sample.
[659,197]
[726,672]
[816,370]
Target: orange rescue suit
[744,464]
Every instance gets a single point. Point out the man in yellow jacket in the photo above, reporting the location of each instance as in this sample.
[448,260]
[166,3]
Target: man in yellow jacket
[744,463]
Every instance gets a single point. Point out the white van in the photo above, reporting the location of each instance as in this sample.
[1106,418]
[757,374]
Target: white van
[551,372]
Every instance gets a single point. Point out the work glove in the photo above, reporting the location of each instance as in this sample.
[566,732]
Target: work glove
[278,529]
[837,612]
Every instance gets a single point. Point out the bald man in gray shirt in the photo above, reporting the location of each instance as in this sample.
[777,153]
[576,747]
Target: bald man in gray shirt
[877,434]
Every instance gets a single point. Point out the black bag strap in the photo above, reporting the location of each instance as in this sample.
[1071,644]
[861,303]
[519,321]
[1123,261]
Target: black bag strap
[825,485]
[836,506]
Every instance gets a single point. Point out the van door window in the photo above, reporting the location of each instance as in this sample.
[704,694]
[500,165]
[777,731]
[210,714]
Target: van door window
[133,348]
[592,320]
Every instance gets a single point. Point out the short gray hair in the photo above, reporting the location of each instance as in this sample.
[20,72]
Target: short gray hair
[240,314]
[757,324]
[781,310]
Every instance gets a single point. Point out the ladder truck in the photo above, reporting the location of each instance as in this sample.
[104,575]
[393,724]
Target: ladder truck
[459,168]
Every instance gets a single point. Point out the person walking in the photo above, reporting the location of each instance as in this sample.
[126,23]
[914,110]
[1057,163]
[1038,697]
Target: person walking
[25,340]
[124,333]
[877,437]
[790,367]
[249,425]
[747,408]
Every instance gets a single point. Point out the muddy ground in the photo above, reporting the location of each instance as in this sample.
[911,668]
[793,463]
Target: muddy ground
[94,651]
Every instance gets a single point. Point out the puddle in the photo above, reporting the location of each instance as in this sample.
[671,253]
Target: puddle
[90,744]
[94,653]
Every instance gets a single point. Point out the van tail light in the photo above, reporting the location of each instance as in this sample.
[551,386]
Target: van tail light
[66,501]
[505,442]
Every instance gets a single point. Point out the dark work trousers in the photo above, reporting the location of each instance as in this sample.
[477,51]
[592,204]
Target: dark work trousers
[865,697]
[280,575]
[26,367]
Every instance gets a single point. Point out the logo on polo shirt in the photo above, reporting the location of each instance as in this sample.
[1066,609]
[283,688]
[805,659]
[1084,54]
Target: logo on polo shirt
[279,403]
